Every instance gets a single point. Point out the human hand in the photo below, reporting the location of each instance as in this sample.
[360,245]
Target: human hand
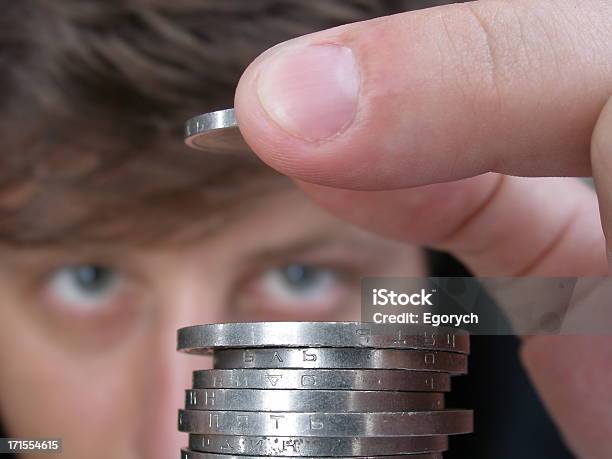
[422,127]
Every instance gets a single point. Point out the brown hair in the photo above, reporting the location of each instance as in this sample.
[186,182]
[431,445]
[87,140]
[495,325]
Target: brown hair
[94,96]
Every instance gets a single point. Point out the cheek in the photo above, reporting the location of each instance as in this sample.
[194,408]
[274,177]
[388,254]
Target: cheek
[48,390]
[407,261]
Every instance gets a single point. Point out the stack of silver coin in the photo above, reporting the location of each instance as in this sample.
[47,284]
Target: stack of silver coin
[322,389]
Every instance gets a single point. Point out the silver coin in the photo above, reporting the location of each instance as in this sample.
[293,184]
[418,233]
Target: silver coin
[316,446]
[216,132]
[393,380]
[331,401]
[204,338]
[388,424]
[187,454]
[336,357]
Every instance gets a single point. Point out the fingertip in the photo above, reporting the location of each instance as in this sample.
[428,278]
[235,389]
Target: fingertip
[294,102]
[601,163]
[601,141]
[266,139]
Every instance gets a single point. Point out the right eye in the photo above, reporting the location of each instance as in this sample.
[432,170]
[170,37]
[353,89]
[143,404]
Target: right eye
[85,288]
[91,306]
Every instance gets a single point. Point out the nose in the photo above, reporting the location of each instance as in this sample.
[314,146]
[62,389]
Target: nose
[168,375]
[185,300]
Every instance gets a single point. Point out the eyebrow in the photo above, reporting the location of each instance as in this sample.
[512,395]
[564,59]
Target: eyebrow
[323,242]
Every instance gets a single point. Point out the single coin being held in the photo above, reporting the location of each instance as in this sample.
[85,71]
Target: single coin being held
[205,338]
[316,447]
[217,132]
[348,358]
[364,379]
[187,454]
[340,401]
[395,424]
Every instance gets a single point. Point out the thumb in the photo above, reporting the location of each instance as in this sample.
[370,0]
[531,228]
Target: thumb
[580,404]
[433,96]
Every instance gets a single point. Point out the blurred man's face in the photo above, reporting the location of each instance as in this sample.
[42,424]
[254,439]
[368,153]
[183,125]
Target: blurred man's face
[87,335]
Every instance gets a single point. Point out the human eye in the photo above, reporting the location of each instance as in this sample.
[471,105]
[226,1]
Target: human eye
[89,304]
[296,289]
[300,282]
[84,288]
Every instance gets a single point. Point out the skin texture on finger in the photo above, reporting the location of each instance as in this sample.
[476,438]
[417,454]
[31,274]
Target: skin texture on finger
[439,94]
[497,225]
[574,374]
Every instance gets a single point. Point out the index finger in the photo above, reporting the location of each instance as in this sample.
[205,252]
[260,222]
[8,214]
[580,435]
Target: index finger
[434,95]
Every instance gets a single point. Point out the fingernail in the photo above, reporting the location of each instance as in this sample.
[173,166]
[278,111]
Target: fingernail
[311,91]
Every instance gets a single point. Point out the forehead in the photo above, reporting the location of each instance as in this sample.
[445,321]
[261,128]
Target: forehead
[77,194]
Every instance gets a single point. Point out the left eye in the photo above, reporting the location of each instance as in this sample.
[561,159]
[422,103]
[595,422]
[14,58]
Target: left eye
[84,287]
[294,289]
[298,281]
